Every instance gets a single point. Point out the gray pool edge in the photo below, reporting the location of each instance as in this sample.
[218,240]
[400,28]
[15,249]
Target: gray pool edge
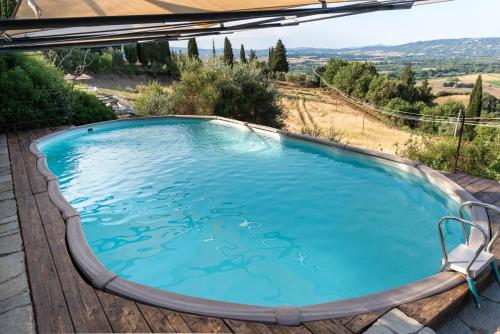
[103,279]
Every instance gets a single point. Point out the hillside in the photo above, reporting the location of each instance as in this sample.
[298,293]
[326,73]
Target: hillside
[464,48]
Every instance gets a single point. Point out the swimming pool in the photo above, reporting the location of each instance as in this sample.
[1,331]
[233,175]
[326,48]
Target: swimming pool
[215,211]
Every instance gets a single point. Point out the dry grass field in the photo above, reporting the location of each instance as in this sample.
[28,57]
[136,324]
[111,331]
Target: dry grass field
[491,84]
[314,108]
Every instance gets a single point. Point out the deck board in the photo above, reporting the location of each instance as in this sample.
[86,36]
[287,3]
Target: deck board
[65,302]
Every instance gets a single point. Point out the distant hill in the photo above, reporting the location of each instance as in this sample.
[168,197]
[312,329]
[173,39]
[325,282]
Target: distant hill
[463,48]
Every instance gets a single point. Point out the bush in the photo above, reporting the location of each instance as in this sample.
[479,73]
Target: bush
[479,157]
[86,108]
[241,92]
[152,100]
[33,93]
[449,108]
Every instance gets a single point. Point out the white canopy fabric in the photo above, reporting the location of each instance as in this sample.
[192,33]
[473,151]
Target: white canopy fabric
[48,24]
[89,8]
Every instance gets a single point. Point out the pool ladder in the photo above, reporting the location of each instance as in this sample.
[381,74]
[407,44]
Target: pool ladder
[468,259]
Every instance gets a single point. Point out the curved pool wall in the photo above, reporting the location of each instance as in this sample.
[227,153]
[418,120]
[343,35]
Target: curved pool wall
[102,278]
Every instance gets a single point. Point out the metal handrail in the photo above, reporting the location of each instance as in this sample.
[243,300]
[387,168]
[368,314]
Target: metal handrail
[470,204]
[443,243]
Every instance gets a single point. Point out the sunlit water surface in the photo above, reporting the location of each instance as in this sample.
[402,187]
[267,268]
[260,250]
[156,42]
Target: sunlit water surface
[213,211]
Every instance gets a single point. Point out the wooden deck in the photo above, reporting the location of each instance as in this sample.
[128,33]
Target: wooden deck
[65,302]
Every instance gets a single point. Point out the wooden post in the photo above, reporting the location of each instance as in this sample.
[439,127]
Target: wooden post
[456,125]
[363,128]
[455,169]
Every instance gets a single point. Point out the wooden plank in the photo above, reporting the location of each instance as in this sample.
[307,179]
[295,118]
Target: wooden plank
[156,320]
[53,223]
[86,311]
[20,177]
[238,326]
[51,311]
[176,321]
[37,182]
[201,324]
[454,176]
[361,322]
[479,186]
[122,314]
[327,326]
[288,329]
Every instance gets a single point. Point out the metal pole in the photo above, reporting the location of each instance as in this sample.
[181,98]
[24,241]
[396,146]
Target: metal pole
[455,169]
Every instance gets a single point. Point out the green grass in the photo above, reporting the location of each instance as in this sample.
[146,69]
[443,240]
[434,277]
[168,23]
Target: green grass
[495,82]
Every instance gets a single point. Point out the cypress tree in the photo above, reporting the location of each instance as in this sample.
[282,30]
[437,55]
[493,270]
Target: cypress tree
[243,57]
[192,50]
[7,7]
[130,52]
[213,48]
[228,52]
[476,99]
[280,61]
[143,53]
[252,56]
[270,58]
[165,53]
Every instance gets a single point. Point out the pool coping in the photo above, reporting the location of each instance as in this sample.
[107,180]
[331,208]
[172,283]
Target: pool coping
[104,279]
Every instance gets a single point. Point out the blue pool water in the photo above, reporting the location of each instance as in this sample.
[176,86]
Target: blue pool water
[210,210]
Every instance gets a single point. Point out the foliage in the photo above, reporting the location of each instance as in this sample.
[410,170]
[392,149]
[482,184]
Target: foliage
[130,52]
[491,104]
[192,49]
[479,157]
[301,79]
[152,100]
[450,108]
[243,57]
[252,56]
[32,92]
[278,61]
[215,88]
[330,134]
[7,7]
[476,99]
[228,52]
[86,108]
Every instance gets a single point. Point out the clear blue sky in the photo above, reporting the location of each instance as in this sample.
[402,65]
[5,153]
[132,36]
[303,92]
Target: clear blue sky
[455,19]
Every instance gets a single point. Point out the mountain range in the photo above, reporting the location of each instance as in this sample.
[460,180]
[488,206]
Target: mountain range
[463,48]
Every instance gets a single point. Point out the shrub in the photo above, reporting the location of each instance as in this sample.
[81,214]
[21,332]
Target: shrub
[479,157]
[241,91]
[86,108]
[32,92]
[449,108]
[152,100]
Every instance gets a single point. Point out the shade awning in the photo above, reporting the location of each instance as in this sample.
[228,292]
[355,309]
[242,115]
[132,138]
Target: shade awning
[92,8]
[46,24]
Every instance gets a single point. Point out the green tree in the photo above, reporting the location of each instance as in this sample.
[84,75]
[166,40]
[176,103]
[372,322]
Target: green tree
[7,7]
[332,67]
[476,99]
[252,56]
[130,52]
[425,92]
[407,77]
[280,61]
[164,55]
[270,58]
[144,53]
[228,52]
[192,49]
[243,57]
